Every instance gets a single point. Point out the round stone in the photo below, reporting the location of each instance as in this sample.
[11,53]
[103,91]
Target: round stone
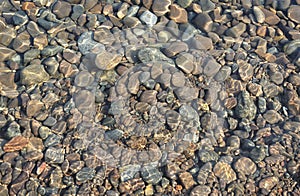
[83,79]
[245,166]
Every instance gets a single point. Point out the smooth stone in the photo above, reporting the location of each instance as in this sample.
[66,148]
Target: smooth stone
[6,36]
[185,61]
[270,17]
[51,50]
[175,48]
[259,15]
[178,14]
[107,61]
[203,22]
[237,30]
[262,104]
[54,155]
[223,73]
[148,18]
[178,79]
[188,113]
[184,3]
[151,174]
[50,121]
[51,65]
[83,79]
[186,93]
[245,166]
[62,9]
[86,42]
[133,83]
[148,55]
[281,4]
[173,119]
[258,154]
[85,174]
[30,55]
[225,172]
[294,13]
[161,7]
[130,21]
[85,102]
[202,43]
[245,108]
[33,74]
[272,117]
[33,107]
[211,68]
[20,18]
[202,190]
[78,10]
[207,5]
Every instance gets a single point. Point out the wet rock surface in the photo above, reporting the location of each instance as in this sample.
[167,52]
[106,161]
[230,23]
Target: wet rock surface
[149,97]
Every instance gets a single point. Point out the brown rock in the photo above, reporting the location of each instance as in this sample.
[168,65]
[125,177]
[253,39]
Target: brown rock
[185,62]
[7,78]
[294,13]
[255,89]
[245,165]
[203,22]
[178,14]
[245,71]
[272,116]
[40,41]
[175,48]
[161,7]
[224,172]
[268,183]
[149,96]
[71,56]
[22,42]
[234,86]
[15,144]
[237,30]
[202,43]
[28,5]
[6,36]
[230,102]
[107,61]
[6,53]
[62,9]
[270,17]
[33,74]
[187,180]
[33,107]
[67,69]
[147,3]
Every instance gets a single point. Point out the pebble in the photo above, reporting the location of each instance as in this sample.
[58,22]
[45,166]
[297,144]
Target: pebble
[259,15]
[202,43]
[148,18]
[272,117]
[258,154]
[186,94]
[6,53]
[34,107]
[245,108]
[20,18]
[185,62]
[293,13]
[207,5]
[83,79]
[173,119]
[149,96]
[270,17]
[224,171]
[203,22]
[201,190]
[54,155]
[33,74]
[6,36]
[151,175]
[85,174]
[62,9]
[178,14]
[107,61]
[161,7]
[268,183]
[246,71]
[223,73]
[15,144]
[86,42]
[187,180]
[237,30]
[277,77]
[245,165]
[211,68]
[175,48]
[148,55]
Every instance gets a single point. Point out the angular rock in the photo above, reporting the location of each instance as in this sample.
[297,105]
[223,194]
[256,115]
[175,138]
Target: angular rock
[272,117]
[187,180]
[245,165]
[148,18]
[294,13]
[178,14]
[62,9]
[203,22]
[15,144]
[270,17]
[107,61]
[237,30]
[224,171]
[161,7]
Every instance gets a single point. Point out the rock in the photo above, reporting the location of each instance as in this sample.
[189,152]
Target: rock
[6,36]
[148,18]
[258,154]
[83,79]
[202,190]
[178,14]
[224,171]
[54,155]
[268,183]
[173,119]
[161,7]
[114,135]
[33,74]
[149,96]
[237,30]
[246,71]
[187,180]
[175,48]
[245,107]
[270,17]
[245,166]
[188,113]
[281,4]
[223,73]
[202,43]
[51,50]
[86,43]
[207,156]
[203,22]
[259,15]
[184,3]
[255,89]
[247,4]
[148,55]
[294,13]
[15,144]
[270,90]
[272,117]
[211,68]
[276,77]
[41,41]
[85,102]
[186,94]
[71,56]
[30,55]
[6,53]
[151,174]
[292,47]
[207,5]
[131,22]
[33,107]
[107,61]
[20,18]
[185,62]
[62,9]
[85,174]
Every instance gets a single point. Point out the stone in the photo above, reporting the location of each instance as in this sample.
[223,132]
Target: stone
[34,107]
[202,43]
[237,30]
[161,7]
[149,96]
[187,180]
[62,9]
[54,155]
[202,190]
[71,56]
[203,22]
[33,74]
[281,4]
[184,3]
[246,71]
[224,171]
[148,18]
[276,77]
[6,53]
[270,17]
[245,166]
[259,15]
[85,102]
[186,94]
[107,61]
[178,14]
[83,79]
[151,174]
[255,89]
[272,117]
[175,48]
[245,108]
[20,18]
[40,41]
[85,174]
[51,50]
[207,5]
[132,22]
[258,154]
[86,43]
[173,119]
[294,13]
[207,156]
[6,36]
[268,183]
[15,144]
[270,90]
[148,55]
[178,79]
[211,68]
[22,42]
[185,62]
[223,73]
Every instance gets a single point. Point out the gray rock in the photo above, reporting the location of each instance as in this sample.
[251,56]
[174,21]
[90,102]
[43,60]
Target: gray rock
[207,156]
[20,18]
[207,5]
[30,55]
[223,73]
[245,108]
[148,18]
[83,79]
[85,174]
[12,130]
[128,172]
[184,3]
[151,174]
[259,15]
[281,4]
[203,22]
[78,10]
[33,74]
[262,104]
[114,134]
[54,155]
[51,50]
[86,43]
[147,55]
[237,30]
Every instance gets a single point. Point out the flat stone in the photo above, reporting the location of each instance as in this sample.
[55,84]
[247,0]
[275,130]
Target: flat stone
[54,155]
[85,102]
[207,5]
[223,73]
[62,9]
[245,166]
[294,13]
[151,174]
[186,93]
[268,183]
[33,107]
[187,180]
[33,74]
[148,55]
[203,22]
[178,14]
[161,7]
[175,48]
[270,17]
[6,53]
[83,79]
[185,62]
[148,18]
[272,117]
[237,30]
[259,15]
[178,79]
[15,144]
[107,61]
[202,43]
[224,171]
[149,96]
